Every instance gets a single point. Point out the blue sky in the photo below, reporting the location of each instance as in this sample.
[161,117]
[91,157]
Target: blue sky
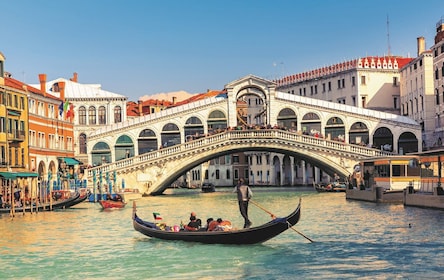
[138,48]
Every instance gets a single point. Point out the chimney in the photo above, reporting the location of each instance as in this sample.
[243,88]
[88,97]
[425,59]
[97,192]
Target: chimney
[140,107]
[74,77]
[42,78]
[62,91]
[174,100]
[421,45]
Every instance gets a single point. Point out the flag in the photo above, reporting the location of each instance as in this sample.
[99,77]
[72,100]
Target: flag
[157,216]
[61,109]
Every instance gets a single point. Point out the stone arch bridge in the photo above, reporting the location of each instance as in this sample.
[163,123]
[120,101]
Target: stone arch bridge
[151,151]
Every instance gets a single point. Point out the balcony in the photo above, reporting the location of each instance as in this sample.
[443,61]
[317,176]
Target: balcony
[16,135]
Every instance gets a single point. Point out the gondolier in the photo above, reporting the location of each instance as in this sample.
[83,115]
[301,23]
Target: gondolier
[244,194]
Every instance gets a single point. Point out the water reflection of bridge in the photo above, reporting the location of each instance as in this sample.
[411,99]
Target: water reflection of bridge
[328,136]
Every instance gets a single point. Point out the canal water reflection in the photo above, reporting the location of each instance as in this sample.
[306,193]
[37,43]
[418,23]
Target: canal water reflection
[352,240]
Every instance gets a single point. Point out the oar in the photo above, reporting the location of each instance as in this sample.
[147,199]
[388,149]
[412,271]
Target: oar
[274,217]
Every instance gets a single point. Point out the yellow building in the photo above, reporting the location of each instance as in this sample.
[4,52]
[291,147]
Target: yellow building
[14,161]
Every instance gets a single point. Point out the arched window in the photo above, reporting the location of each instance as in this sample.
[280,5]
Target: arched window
[102,115]
[92,115]
[117,114]
[82,143]
[82,115]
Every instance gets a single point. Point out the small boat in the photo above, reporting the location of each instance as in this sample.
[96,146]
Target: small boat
[107,204]
[251,235]
[208,187]
[330,187]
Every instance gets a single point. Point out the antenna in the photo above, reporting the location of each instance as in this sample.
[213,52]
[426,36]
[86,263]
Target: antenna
[388,36]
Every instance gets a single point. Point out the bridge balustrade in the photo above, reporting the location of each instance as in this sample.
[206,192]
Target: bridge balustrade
[237,137]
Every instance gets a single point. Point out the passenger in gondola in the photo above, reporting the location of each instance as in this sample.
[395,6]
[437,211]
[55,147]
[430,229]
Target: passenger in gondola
[118,197]
[194,223]
[223,225]
[207,226]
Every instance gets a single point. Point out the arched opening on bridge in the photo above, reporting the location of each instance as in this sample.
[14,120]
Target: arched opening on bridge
[311,124]
[124,147]
[383,138]
[359,134]
[407,143]
[217,121]
[287,119]
[170,135]
[100,154]
[193,129]
[251,109]
[147,141]
[335,129]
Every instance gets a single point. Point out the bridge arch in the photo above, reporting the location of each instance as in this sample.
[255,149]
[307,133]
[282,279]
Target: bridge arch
[408,143]
[311,123]
[147,141]
[335,129]
[124,147]
[101,154]
[383,137]
[287,118]
[193,128]
[359,134]
[217,120]
[170,135]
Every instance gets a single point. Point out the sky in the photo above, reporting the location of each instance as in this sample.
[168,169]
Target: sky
[137,48]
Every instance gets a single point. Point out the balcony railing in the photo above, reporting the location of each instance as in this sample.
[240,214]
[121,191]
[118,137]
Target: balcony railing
[16,135]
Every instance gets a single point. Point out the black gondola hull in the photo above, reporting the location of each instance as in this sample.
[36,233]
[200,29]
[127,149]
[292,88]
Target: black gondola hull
[252,235]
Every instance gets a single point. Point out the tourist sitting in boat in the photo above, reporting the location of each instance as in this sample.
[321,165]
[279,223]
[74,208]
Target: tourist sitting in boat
[223,225]
[194,223]
[220,225]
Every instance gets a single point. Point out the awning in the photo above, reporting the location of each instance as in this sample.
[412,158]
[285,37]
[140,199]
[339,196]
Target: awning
[27,174]
[8,175]
[70,161]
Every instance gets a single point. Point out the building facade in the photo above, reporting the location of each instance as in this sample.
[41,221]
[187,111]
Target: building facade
[417,92]
[92,108]
[438,82]
[370,82]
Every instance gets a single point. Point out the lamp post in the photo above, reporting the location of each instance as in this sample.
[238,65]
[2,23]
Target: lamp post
[127,153]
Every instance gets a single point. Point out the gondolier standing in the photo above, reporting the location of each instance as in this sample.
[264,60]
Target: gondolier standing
[243,196]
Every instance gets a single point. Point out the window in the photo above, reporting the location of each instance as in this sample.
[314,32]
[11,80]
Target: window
[102,115]
[363,101]
[235,159]
[353,81]
[395,102]
[82,115]
[343,83]
[395,81]
[363,80]
[339,84]
[117,114]
[329,86]
[92,115]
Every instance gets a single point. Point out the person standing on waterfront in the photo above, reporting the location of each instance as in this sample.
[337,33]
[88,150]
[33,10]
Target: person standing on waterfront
[244,194]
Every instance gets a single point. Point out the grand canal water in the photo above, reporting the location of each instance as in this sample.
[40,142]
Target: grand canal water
[352,240]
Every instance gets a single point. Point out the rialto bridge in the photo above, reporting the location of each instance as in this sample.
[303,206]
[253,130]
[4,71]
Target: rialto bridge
[249,116]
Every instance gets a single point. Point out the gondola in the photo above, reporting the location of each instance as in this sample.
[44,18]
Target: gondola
[57,204]
[251,235]
[330,187]
[108,204]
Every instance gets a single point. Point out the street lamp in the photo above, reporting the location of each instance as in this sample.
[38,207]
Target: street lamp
[127,153]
